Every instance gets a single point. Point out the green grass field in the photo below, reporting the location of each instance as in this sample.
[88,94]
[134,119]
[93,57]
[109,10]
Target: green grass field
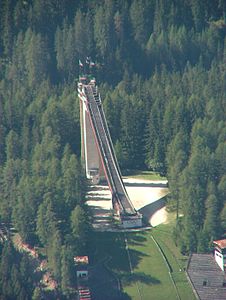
[150,278]
[178,262]
[148,175]
[155,279]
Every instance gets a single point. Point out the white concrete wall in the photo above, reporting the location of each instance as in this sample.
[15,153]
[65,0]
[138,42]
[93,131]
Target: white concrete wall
[219,259]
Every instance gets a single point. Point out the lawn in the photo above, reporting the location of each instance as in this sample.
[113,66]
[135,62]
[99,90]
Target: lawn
[152,265]
[150,278]
[177,262]
[147,175]
[151,275]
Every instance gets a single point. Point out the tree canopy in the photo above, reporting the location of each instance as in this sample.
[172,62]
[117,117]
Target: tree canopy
[160,67]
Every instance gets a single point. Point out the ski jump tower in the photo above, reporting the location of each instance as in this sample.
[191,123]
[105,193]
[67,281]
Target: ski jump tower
[98,152]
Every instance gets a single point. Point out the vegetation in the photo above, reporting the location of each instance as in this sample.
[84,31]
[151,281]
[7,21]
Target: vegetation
[17,278]
[146,175]
[150,270]
[161,71]
[176,261]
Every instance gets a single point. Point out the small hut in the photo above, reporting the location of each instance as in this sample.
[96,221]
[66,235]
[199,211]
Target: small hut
[81,263]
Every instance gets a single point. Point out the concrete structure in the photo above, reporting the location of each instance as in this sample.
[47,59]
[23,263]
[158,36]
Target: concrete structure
[220,253]
[98,152]
[89,151]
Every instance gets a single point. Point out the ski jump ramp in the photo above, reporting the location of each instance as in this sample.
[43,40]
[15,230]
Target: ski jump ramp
[98,154]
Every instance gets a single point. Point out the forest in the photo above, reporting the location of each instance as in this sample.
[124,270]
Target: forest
[160,68]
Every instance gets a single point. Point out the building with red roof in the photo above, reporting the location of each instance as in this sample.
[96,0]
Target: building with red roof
[81,263]
[220,253]
[81,260]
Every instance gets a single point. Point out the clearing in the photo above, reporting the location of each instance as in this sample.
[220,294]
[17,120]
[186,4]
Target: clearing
[147,263]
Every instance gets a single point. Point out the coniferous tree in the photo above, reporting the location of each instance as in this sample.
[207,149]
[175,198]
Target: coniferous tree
[161,74]
[37,294]
[54,253]
[12,145]
[46,220]
[223,218]
[80,227]
[212,222]
[67,271]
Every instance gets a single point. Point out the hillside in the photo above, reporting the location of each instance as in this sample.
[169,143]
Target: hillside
[160,67]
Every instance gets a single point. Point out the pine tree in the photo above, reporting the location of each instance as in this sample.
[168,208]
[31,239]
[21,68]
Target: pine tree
[80,227]
[74,185]
[67,271]
[222,188]
[83,35]
[54,253]
[7,261]
[59,48]
[26,140]
[10,178]
[140,23]
[2,142]
[8,28]
[46,220]
[20,15]
[37,58]
[24,212]
[12,145]
[105,36]
[198,13]
[159,17]
[212,222]
[37,294]
[223,218]
[132,134]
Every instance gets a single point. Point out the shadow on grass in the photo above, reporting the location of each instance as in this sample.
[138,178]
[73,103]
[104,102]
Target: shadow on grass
[136,256]
[125,296]
[109,252]
[96,209]
[137,239]
[97,198]
[128,279]
[111,244]
[100,187]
